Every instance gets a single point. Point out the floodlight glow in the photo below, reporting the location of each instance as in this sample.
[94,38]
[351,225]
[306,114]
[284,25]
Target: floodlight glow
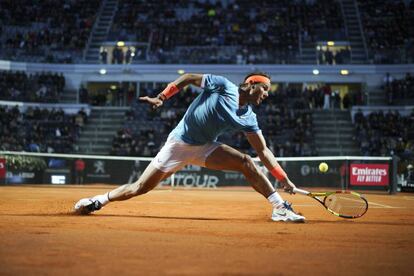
[102,71]
[315,71]
[344,72]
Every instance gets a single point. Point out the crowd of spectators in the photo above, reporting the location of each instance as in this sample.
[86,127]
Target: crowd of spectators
[380,134]
[268,33]
[332,57]
[46,31]
[388,29]
[38,87]
[399,90]
[39,130]
[233,31]
[120,55]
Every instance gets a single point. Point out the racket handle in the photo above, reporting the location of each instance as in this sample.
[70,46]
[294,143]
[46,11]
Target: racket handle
[300,191]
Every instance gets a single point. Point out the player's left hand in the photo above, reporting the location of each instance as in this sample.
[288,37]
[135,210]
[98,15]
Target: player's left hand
[154,102]
[288,185]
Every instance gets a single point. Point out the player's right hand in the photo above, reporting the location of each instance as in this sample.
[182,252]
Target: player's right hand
[154,102]
[288,186]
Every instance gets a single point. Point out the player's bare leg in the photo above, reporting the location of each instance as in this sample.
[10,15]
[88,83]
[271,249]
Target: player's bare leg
[147,181]
[228,158]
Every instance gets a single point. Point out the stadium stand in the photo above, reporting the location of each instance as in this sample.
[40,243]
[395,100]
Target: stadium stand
[193,32]
[46,31]
[43,87]
[40,129]
[385,134]
[399,91]
[388,30]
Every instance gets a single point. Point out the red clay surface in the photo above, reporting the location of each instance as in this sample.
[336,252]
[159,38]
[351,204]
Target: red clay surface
[203,232]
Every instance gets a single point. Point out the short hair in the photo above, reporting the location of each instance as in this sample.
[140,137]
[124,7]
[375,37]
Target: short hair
[259,73]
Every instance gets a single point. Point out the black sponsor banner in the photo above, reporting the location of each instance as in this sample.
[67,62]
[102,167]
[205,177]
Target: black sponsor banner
[302,173]
[195,176]
[113,171]
[307,174]
[26,176]
[192,176]
[118,172]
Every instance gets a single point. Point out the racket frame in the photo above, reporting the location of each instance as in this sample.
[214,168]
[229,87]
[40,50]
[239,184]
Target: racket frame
[317,196]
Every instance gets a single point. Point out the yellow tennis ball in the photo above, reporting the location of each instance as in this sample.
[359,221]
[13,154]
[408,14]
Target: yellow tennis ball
[323,167]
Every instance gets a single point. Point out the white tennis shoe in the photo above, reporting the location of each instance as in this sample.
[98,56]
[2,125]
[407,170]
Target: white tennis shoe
[86,206]
[286,213]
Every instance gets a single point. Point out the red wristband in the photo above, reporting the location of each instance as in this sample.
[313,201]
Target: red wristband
[278,173]
[170,90]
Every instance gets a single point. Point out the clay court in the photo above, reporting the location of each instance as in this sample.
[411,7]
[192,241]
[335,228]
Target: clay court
[203,232]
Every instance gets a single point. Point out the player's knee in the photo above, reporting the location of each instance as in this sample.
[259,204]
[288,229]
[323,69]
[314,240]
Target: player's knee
[137,189]
[248,165]
[134,189]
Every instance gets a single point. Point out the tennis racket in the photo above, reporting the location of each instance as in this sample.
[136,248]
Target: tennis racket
[344,204]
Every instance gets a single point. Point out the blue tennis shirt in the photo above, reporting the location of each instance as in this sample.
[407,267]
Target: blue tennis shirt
[213,112]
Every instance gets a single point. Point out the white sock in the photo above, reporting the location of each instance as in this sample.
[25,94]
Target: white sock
[275,199]
[103,199]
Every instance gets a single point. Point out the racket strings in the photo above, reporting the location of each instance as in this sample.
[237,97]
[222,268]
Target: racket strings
[346,204]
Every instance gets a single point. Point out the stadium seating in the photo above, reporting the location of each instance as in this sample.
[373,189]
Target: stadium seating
[19,86]
[385,133]
[191,32]
[39,130]
[46,31]
[400,91]
[199,32]
[388,29]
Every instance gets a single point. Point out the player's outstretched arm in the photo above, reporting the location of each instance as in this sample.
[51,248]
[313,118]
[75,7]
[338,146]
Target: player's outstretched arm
[172,89]
[258,142]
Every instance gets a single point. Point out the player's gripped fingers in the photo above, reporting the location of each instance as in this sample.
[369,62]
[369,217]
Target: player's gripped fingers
[289,190]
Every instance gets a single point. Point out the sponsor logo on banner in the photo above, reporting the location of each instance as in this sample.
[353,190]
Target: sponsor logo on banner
[370,174]
[99,166]
[99,170]
[196,180]
[2,168]
[306,170]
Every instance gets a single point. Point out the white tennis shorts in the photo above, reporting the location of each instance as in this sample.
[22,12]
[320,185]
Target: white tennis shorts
[175,154]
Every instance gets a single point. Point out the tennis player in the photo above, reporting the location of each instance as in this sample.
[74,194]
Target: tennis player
[221,107]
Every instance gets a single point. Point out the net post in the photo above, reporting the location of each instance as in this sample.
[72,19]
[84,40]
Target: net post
[393,187]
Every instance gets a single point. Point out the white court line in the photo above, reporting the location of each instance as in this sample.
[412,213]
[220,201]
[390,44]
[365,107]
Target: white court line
[372,203]
[409,197]
[382,205]
[305,205]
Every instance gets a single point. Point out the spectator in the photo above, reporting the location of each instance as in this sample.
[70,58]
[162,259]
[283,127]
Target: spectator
[104,56]
[79,170]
